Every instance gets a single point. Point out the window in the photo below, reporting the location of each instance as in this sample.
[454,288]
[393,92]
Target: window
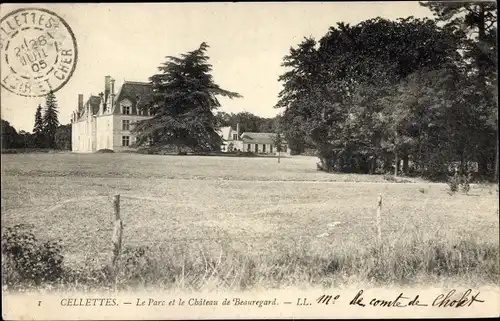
[125,140]
[235,136]
[271,148]
[285,148]
[256,148]
[126,124]
[248,147]
[126,110]
[263,148]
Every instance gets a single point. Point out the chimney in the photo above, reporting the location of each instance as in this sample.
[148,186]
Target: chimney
[238,130]
[107,85]
[112,94]
[112,85]
[80,102]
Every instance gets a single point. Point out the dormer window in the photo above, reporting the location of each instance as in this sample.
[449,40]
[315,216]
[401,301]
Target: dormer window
[126,107]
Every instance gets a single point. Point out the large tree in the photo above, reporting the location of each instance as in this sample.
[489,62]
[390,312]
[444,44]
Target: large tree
[9,136]
[478,22]
[38,127]
[38,132]
[334,93]
[184,104]
[50,119]
[303,64]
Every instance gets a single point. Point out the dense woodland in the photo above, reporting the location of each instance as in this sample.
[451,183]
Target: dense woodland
[410,95]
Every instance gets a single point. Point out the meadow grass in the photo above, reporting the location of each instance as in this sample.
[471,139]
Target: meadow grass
[216,222]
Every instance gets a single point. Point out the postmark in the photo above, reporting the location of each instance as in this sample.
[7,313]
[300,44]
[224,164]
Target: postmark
[39,52]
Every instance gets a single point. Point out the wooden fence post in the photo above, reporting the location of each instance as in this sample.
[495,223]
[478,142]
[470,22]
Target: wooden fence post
[117,233]
[379,208]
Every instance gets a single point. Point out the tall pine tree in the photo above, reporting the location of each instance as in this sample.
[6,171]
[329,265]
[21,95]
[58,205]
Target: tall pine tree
[38,128]
[50,119]
[38,131]
[185,100]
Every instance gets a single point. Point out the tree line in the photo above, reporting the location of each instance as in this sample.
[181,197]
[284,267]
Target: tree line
[47,132]
[248,122]
[411,95]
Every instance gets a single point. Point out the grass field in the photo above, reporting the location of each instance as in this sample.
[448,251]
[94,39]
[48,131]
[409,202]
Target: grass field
[254,208]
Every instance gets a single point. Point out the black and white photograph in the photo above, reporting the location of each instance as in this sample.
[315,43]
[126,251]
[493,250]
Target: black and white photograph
[242,160]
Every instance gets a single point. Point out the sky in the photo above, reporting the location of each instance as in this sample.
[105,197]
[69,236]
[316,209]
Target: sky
[247,44]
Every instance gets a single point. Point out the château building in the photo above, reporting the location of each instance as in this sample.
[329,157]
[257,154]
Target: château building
[105,121]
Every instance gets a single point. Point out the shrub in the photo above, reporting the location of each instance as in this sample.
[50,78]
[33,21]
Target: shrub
[310,152]
[133,265]
[246,154]
[148,150]
[459,181]
[8,151]
[454,183]
[105,150]
[389,177]
[30,151]
[28,260]
[465,183]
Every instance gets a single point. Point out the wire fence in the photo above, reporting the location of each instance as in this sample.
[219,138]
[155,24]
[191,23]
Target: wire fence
[115,240]
[110,236]
[220,234]
[176,230]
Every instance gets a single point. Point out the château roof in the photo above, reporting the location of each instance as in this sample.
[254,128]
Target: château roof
[94,102]
[140,93]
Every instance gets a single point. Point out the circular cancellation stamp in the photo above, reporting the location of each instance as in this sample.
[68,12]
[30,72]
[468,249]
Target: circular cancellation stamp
[38,52]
